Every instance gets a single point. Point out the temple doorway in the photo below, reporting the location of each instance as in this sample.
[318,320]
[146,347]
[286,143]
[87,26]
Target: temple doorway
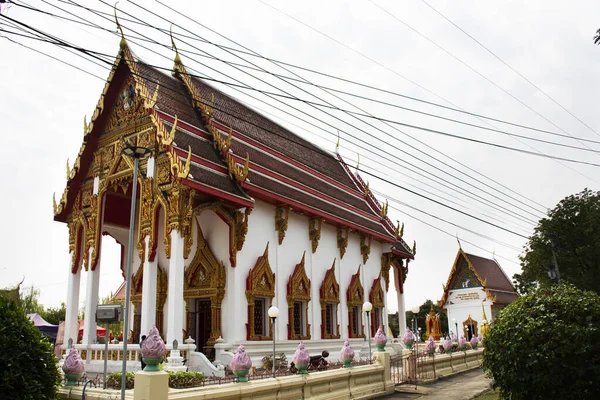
[201,324]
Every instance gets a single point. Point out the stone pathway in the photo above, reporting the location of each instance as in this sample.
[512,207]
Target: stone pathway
[464,386]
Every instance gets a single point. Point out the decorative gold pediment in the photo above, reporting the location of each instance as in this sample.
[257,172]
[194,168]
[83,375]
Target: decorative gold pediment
[376,295]
[314,232]
[342,239]
[355,294]
[330,289]
[281,222]
[365,247]
[298,289]
[204,272]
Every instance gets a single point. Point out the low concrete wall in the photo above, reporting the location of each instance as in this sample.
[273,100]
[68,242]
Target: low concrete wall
[444,365]
[361,382]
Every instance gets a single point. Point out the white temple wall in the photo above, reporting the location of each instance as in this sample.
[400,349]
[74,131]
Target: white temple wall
[464,302]
[348,267]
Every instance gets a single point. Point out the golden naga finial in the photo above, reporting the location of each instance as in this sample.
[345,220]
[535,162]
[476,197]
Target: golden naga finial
[123,42]
[55,207]
[402,230]
[414,249]
[186,167]
[68,170]
[177,58]
[154,99]
[397,230]
[171,136]
[367,189]
[85,125]
[337,145]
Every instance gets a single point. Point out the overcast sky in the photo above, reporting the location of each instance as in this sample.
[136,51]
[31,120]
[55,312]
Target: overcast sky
[403,47]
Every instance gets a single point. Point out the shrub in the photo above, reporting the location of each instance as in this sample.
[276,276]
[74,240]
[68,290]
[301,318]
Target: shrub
[29,368]
[113,380]
[179,380]
[545,346]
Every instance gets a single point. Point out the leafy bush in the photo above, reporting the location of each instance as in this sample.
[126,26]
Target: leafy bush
[113,380]
[29,368]
[545,346]
[179,380]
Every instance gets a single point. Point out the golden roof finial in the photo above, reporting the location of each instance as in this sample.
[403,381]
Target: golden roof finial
[414,249]
[402,230]
[484,317]
[55,207]
[458,240]
[177,58]
[337,145]
[123,42]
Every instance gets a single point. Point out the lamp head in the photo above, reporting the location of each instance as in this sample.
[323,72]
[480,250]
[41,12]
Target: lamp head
[453,320]
[415,310]
[367,306]
[273,312]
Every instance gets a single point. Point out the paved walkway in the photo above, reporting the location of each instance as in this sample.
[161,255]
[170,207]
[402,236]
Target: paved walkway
[464,386]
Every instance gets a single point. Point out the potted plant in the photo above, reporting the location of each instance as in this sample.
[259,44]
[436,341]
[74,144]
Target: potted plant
[241,364]
[448,346]
[347,355]
[474,342]
[430,346]
[73,367]
[301,359]
[380,339]
[408,339]
[153,350]
[462,344]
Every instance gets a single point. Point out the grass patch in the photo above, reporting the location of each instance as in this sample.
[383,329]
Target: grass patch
[489,395]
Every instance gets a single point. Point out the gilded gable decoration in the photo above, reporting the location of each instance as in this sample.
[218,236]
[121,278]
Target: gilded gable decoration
[239,173]
[259,284]
[329,293]
[237,222]
[469,323]
[386,262]
[384,210]
[355,297]
[298,290]
[399,230]
[314,232]
[464,275]
[342,239]
[281,222]
[365,247]
[205,277]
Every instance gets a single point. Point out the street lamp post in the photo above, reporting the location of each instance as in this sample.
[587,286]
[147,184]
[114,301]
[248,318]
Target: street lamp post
[367,307]
[136,153]
[273,313]
[415,311]
[456,325]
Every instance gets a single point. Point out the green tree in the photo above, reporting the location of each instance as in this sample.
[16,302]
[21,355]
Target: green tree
[30,301]
[544,345]
[394,324]
[572,231]
[29,368]
[55,315]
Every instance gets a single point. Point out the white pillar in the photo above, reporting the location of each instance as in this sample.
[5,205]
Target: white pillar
[71,321]
[401,307]
[91,302]
[148,292]
[175,299]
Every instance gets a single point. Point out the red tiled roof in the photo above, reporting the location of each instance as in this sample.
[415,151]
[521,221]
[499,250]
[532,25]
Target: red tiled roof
[491,272]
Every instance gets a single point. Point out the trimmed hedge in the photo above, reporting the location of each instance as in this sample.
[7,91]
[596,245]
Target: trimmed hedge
[177,380]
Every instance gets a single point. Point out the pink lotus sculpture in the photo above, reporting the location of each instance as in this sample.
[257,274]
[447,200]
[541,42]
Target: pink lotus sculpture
[347,354]
[301,359]
[241,364]
[73,367]
[153,350]
[380,339]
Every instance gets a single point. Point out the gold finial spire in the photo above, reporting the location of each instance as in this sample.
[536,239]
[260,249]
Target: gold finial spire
[483,312]
[177,58]
[337,145]
[458,240]
[414,249]
[123,42]
[402,230]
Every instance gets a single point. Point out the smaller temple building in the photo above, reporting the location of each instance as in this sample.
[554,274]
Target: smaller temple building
[477,287]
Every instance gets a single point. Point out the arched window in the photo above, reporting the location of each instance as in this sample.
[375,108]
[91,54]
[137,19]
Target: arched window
[298,296]
[329,297]
[260,290]
[355,299]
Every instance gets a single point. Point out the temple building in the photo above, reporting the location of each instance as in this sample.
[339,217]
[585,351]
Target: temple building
[234,214]
[477,287]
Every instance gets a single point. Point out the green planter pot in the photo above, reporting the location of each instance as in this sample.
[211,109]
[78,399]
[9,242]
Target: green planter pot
[347,362]
[408,345]
[241,374]
[380,347]
[302,368]
[152,364]
[72,379]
